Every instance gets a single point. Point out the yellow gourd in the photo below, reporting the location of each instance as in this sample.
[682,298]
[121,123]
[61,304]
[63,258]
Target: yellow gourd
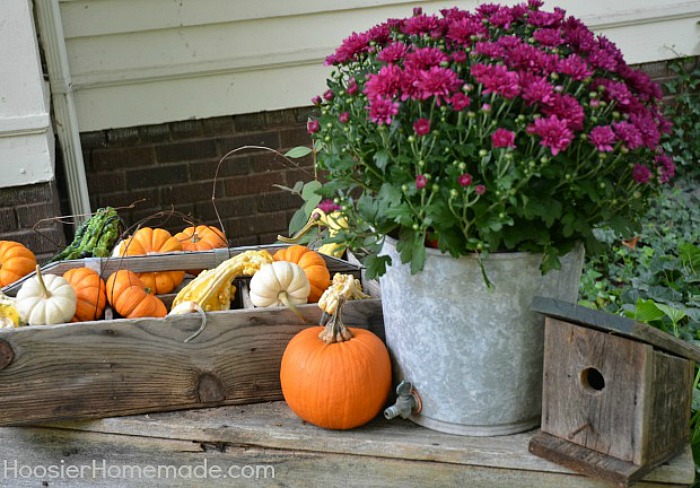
[212,289]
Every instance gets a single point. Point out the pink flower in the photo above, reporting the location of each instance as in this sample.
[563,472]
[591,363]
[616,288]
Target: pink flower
[465,179]
[316,100]
[327,206]
[575,66]
[313,126]
[554,132]
[566,107]
[422,126]
[344,117]
[641,173]
[393,53]
[436,82]
[386,83]
[536,89]
[497,79]
[352,88]
[602,137]
[665,167]
[421,181]
[480,189]
[548,37]
[382,110]
[459,101]
[350,49]
[628,134]
[425,58]
[328,95]
[503,138]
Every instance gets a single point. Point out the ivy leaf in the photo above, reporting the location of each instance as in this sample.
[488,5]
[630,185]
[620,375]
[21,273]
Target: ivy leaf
[298,152]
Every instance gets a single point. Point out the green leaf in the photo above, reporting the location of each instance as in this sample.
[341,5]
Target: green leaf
[375,266]
[310,188]
[690,256]
[673,313]
[297,221]
[298,152]
[550,259]
[381,159]
[645,311]
[419,253]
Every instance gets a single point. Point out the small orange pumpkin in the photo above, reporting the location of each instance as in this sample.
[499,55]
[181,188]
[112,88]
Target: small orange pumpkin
[201,238]
[335,377]
[149,240]
[16,261]
[91,291]
[313,265]
[130,298]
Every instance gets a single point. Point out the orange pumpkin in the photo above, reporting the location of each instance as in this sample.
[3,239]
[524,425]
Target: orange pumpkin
[16,261]
[201,238]
[148,240]
[313,265]
[91,292]
[130,298]
[335,377]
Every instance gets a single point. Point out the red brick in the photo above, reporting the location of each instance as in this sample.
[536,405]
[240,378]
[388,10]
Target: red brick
[278,201]
[254,183]
[122,200]
[123,137]
[294,137]
[250,122]
[218,125]
[157,176]
[207,170]
[259,224]
[186,151]
[106,182]
[187,129]
[110,159]
[259,139]
[187,193]
[227,208]
[30,215]
[155,133]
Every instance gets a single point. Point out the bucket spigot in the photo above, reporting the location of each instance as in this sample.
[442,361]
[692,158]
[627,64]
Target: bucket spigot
[408,402]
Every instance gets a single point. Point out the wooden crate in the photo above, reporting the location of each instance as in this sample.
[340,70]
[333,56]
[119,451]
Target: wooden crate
[118,367]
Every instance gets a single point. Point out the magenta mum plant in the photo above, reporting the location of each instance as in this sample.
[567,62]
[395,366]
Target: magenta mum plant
[506,128]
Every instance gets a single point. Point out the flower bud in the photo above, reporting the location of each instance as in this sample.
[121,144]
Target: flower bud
[483,153]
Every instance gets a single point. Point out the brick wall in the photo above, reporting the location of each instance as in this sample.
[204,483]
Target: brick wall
[172,166]
[22,213]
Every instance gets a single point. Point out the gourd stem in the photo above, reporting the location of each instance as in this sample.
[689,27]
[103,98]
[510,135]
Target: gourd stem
[40,278]
[335,330]
[285,300]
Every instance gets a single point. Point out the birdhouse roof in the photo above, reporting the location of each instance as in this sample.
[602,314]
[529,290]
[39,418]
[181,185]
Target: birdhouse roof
[615,324]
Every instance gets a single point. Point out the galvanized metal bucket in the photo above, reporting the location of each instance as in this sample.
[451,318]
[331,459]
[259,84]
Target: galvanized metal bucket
[473,355]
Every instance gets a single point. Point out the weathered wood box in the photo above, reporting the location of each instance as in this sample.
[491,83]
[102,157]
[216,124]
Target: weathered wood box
[616,395]
[118,367]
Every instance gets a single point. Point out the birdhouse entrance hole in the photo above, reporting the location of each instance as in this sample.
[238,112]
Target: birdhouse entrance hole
[592,380]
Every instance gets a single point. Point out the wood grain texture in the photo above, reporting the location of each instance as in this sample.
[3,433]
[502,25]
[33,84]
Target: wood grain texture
[118,367]
[380,454]
[608,420]
[615,324]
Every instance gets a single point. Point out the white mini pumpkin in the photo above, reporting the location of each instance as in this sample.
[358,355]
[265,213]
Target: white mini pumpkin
[279,284]
[46,300]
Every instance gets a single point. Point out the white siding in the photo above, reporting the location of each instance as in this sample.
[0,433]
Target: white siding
[26,138]
[136,62]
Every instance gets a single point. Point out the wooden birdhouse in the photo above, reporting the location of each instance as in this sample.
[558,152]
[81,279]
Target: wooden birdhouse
[616,393]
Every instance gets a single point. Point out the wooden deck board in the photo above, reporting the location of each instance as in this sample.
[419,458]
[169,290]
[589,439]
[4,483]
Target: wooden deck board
[382,454]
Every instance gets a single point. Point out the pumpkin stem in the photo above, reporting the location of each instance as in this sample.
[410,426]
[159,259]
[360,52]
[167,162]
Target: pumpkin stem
[44,291]
[335,330]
